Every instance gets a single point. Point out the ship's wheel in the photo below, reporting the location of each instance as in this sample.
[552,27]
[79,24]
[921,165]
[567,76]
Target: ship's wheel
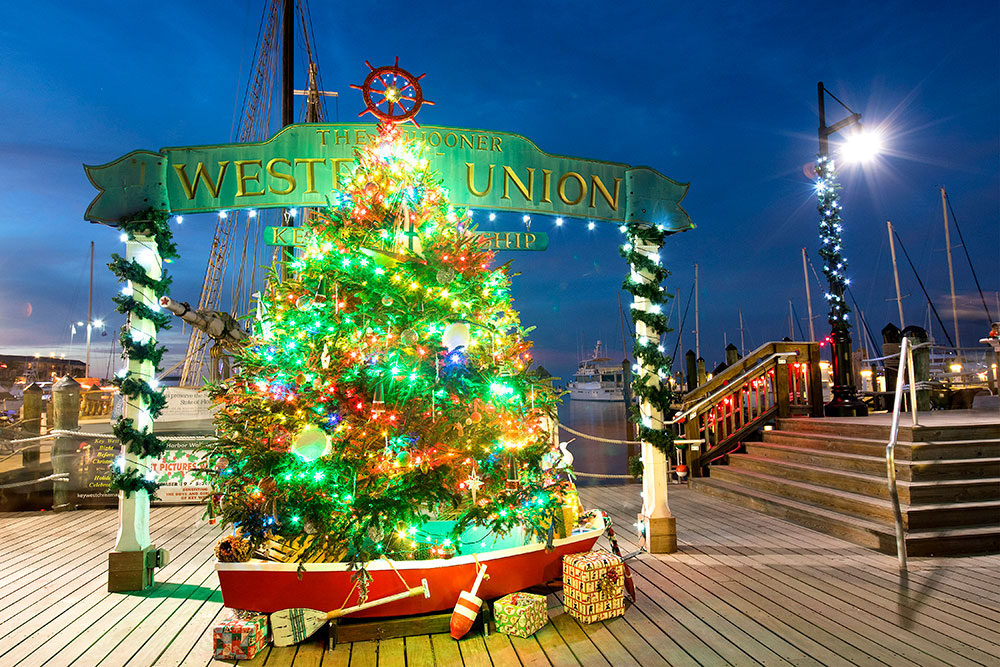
[395,88]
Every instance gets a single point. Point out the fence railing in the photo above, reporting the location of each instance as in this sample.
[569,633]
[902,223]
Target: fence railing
[778,379]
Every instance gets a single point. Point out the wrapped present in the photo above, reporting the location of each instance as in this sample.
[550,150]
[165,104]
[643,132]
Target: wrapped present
[593,586]
[566,518]
[521,614]
[240,635]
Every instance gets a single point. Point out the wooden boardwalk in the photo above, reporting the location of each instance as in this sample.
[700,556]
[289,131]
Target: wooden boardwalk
[743,589]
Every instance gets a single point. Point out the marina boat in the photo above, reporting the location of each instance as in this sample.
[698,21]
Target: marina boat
[597,379]
[513,562]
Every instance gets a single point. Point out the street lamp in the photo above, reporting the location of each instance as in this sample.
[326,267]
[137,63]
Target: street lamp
[860,145]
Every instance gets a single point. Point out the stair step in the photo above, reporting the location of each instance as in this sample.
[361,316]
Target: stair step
[917,471]
[864,428]
[915,451]
[936,515]
[873,485]
[938,542]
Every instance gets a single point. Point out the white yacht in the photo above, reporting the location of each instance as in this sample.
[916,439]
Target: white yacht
[597,379]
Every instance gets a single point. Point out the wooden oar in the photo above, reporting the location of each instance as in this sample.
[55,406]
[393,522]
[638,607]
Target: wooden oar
[290,626]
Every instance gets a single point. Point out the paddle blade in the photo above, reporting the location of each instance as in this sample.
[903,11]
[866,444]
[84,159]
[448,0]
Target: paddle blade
[290,626]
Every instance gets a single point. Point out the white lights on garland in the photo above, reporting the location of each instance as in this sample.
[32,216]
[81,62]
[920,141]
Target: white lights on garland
[830,227]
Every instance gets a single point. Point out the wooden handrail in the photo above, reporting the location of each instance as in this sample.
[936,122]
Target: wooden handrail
[776,379]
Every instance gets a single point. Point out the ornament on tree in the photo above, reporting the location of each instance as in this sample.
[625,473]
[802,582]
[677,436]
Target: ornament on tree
[456,334]
[473,484]
[325,358]
[268,486]
[311,443]
[445,276]
[513,480]
[409,337]
[232,549]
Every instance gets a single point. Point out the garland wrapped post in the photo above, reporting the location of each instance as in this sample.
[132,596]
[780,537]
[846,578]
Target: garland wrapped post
[148,243]
[651,386]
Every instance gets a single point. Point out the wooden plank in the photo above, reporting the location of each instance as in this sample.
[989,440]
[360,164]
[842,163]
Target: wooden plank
[419,652]
[281,656]
[364,654]
[186,649]
[915,648]
[310,653]
[474,651]
[446,650]
[556,650]
[56,602]
[859,592]
[529,651]
[752,605]
[582,644]
[392,652]
[125,612]
[500,650]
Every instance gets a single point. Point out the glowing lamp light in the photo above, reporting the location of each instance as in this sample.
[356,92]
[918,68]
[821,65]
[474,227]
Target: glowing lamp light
[559,222]
[861,146]
[955,368]
[591,225]
[493,216]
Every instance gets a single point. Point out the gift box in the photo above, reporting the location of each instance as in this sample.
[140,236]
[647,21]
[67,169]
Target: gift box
[240,635]
[566,518]
[521,614]
[593,586]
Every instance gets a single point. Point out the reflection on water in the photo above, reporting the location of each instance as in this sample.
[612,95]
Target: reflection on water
[604,419]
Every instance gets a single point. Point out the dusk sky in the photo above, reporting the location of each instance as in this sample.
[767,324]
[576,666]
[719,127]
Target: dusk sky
[718,95]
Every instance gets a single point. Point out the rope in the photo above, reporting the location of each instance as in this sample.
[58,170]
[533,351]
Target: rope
[58,477]
[594,437]
[81,434]
[599,476]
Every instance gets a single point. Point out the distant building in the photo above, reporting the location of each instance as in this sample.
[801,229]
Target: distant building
[18,368]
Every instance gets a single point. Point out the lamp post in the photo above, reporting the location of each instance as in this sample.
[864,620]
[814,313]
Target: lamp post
[845,401]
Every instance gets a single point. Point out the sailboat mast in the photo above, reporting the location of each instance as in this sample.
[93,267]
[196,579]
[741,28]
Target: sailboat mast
[809,302]
[287,63]
[90,308]
[697,332]
[791,322]
[895,273]
[951,272]
[743,348]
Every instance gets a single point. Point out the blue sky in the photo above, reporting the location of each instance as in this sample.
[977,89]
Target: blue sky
[720,95]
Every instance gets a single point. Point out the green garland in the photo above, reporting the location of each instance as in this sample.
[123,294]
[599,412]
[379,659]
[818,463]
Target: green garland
[131,482]
[649,354]
[144,443]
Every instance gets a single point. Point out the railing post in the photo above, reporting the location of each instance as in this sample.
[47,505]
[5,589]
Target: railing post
[31,423]
[694,451]
[66,417]
[781,387]
[815,381]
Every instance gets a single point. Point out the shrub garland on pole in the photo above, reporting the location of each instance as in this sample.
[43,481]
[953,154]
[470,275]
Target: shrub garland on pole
[649,353]
[830,227]
[140,442]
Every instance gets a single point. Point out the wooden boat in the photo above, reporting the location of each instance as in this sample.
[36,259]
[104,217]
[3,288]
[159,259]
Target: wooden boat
[266,586]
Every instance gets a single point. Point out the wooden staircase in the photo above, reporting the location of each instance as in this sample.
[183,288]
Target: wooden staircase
[830,475]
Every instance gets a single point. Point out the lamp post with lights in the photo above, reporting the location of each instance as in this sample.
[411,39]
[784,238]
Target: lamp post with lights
[845,401]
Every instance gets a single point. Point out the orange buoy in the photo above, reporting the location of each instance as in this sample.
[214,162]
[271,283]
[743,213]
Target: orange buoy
[467,608]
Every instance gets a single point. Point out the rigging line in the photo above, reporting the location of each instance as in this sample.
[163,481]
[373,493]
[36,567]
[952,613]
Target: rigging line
[920,282]
[863,320]
[680,329]
[798,322]
[965,248]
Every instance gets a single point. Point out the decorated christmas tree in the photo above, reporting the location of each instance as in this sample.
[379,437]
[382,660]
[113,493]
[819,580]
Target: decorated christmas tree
[387,383]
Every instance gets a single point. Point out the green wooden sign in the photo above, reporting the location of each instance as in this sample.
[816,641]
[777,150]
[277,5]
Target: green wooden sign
[498,240]
[303,164]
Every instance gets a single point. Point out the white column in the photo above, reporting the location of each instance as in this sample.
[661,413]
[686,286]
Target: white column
[133,512]
[660,525]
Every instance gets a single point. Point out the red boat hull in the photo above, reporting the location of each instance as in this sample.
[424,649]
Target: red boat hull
[268,586]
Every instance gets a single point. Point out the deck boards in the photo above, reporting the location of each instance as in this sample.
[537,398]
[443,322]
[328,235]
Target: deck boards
[743,589]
